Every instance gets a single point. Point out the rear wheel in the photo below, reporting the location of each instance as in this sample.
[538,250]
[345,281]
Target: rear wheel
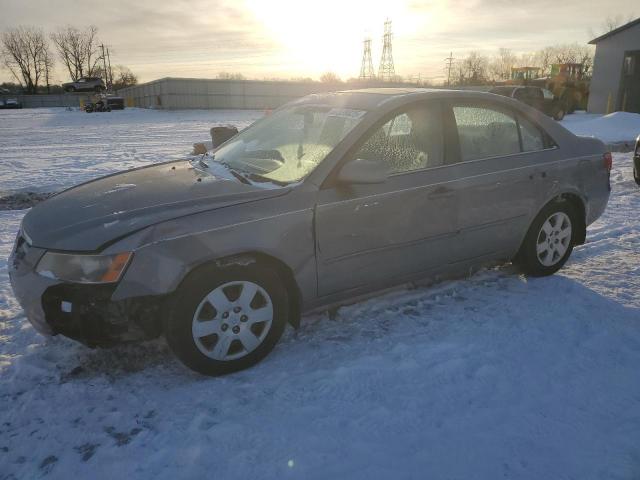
[228,319]
[549,241]
[636,175]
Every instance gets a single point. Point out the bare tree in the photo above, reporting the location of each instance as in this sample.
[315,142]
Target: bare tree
[330,77]
[543,59]
[124,77]
[231,76]
[500,66]
[610,23]
[26,55]
[473,69]
[78,50]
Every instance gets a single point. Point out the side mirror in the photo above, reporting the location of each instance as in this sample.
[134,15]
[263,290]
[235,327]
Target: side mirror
[219,135]
[363,171]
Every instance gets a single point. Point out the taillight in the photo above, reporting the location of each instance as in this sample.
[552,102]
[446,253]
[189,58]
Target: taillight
[608,161]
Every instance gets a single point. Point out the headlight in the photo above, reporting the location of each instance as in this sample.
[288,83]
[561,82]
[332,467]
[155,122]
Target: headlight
[83,268]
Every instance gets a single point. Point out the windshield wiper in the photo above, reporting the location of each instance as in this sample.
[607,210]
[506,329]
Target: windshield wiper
[262,179]
[240,177]
[236,174]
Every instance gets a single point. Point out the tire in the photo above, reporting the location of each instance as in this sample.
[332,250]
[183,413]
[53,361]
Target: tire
[548,245]
[248,324]
[71,89]
[559,115]
[636,175]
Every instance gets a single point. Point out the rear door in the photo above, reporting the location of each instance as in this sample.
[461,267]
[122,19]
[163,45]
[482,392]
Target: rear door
[502,171]
[371,235]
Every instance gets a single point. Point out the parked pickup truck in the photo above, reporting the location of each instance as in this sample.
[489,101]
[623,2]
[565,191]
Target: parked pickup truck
[536,97]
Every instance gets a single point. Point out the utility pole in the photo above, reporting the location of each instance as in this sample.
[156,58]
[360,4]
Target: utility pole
[110,71]
[449,61]
[104,64]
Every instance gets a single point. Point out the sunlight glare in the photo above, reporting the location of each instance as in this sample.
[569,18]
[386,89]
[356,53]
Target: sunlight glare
[327,36]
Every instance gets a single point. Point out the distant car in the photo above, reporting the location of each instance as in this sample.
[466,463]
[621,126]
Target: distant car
[85,84]
[10,103]
[331,197]
[636,161]
[536,97]
[4,91]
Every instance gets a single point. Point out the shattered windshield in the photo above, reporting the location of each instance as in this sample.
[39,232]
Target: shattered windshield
[286,146]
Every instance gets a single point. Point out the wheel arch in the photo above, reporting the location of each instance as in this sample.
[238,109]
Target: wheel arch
[578,205]
[263,260]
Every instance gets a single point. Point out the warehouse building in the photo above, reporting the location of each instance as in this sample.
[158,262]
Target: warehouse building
[181,93]
[615,85]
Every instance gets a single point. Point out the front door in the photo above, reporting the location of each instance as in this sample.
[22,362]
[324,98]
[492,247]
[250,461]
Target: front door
[371,235]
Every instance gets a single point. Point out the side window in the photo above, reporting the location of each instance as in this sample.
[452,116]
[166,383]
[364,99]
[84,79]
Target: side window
[485,132]
[409,141]
[532,137]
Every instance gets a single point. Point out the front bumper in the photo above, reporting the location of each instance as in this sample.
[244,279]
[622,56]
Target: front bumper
[82,312]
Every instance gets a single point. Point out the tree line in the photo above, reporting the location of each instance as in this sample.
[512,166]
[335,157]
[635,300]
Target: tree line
[477,69]
[29,54]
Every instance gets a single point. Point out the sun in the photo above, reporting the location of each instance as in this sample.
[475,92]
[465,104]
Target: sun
[316,37]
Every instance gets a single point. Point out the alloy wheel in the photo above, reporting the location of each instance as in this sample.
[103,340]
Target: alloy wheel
[554,239]
[232,320]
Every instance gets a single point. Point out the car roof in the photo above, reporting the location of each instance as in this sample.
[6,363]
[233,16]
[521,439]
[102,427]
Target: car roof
[372,98]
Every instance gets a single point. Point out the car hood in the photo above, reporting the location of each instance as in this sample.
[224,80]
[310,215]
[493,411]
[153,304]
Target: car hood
[86,217]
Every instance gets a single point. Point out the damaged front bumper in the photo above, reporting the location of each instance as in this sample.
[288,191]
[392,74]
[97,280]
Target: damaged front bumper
[85,313]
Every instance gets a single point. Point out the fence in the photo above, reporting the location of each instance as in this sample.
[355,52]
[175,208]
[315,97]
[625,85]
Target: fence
[189,93]
[48,101]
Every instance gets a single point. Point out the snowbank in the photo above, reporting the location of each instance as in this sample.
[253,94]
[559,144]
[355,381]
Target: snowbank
[617,127]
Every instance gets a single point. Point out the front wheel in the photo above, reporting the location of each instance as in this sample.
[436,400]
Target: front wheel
[559,115]
[549,241]
[227,319]
[636,175]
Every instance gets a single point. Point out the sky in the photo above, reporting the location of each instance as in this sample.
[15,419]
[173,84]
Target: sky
[297,38]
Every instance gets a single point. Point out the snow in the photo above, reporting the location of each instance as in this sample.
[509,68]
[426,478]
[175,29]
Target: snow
[617,127]
[49,149]
[492,376]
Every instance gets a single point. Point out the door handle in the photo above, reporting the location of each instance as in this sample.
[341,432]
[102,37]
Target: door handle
[440,192]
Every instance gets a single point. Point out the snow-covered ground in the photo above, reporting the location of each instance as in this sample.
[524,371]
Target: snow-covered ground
[47,149]
[493,376]
[617,127]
